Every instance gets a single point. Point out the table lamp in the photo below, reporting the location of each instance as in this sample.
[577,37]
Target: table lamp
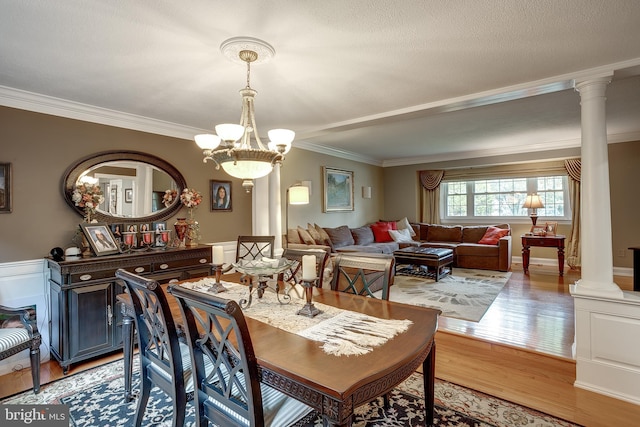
[533,202]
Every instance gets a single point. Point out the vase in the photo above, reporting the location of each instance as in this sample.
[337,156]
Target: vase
[191,238]
[181,227]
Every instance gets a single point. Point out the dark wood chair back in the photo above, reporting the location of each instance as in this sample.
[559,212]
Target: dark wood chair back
[363,274]
[294,274]
[20,332]
[162,361]
[231,393]
[254,247]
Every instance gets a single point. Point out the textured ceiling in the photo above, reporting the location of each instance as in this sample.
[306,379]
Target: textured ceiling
[387,82]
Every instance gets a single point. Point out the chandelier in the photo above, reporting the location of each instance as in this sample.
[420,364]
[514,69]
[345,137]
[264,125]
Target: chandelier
[237,147]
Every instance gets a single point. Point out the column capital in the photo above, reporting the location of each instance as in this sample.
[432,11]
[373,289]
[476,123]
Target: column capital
[595,79]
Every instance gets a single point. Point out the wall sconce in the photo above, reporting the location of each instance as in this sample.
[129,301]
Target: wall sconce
[366,192]
[533,202]
[296,195]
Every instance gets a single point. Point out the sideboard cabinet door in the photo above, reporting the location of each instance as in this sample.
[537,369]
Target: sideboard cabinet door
[91,319]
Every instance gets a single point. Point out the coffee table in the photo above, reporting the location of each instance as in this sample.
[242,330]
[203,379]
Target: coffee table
[438,259]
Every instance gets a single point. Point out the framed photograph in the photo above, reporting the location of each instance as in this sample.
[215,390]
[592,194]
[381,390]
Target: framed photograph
[128,195]
[5,187]
[100,238]
[117,230]
[538,230]
[551,228]
[220,196]
[338,190]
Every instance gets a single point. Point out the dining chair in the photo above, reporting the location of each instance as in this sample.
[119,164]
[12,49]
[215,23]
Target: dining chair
[232,393]
[254,247]
[20,332]
[363,274]
[164,361]
[293,275]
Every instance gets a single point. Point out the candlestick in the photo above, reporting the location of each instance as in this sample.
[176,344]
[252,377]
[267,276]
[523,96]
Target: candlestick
[309,309]
[217,287]
[308,267]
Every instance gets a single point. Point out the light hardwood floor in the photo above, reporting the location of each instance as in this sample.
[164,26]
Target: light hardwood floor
[520,351]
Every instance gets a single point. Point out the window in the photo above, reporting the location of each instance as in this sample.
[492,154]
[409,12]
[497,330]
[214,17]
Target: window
[503,197]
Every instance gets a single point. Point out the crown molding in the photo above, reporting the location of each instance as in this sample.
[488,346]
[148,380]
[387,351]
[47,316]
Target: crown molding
[30,101]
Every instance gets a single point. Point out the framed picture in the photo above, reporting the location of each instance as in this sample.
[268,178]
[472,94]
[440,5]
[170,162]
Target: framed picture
[220,196]
[128,195]
[5,187]
[100,238]
[551,228]
[117,230]
[338,190]
[538,230]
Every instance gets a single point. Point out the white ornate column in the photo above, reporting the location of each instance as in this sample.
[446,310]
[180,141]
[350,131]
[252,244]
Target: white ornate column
[595,214]
[607,360]
[275,208]
[267,208]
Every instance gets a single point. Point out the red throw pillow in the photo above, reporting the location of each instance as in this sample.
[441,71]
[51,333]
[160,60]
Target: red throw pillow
[492,235]
[392,224]
[381,232]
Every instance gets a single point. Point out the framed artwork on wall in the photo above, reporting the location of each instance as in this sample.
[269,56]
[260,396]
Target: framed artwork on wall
[128,195]
[220,196]
[100,238]
[5,187]
[338,190]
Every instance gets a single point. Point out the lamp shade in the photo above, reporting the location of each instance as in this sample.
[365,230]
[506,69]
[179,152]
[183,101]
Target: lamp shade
[533,201]
[207,141]
[298,195]
[247,169]
[230,131]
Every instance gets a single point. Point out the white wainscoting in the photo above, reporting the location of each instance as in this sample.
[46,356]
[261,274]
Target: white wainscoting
[608,345]
[26,283]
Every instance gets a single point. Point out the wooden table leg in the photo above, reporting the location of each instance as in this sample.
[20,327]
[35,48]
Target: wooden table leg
[525,258]
[561,260]
[429,375]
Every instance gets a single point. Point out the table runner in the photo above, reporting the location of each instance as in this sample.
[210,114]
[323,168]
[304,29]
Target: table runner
[341,332]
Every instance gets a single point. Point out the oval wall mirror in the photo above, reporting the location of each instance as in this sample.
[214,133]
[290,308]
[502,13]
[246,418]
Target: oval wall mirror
[132,182]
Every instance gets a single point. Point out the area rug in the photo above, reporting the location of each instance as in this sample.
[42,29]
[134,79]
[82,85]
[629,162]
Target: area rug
[466,294]
[95,399]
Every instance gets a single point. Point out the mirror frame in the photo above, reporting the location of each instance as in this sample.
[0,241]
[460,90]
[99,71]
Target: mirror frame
[74,172]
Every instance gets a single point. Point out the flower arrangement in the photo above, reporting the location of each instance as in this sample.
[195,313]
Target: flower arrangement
[168,197]
[190,198]
[88,197]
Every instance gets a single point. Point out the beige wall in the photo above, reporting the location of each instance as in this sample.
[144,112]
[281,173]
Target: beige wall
[303,165]
[41,147]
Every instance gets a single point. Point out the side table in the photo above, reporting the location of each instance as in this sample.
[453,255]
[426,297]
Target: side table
[542,241]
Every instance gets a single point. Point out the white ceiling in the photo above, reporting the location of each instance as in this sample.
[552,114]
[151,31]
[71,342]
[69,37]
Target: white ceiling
[381,81]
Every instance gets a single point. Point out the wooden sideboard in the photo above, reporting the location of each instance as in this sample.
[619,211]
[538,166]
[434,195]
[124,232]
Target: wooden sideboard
[85,321]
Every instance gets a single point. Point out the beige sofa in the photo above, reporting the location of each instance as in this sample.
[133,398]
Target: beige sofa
[467,252]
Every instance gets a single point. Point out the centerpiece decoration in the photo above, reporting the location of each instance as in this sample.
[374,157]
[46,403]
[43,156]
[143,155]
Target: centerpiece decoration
[191,199]
[88,197]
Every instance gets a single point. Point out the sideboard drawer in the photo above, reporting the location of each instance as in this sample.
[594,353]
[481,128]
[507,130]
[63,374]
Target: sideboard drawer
[159,267]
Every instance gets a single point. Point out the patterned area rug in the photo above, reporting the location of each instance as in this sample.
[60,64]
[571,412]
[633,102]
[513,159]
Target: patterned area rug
[95,399]
[466,295]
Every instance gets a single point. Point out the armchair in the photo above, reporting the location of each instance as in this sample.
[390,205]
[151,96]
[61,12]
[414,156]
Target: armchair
[20,332]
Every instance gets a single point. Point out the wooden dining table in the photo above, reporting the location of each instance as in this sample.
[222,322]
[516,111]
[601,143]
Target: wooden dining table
[333,385]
